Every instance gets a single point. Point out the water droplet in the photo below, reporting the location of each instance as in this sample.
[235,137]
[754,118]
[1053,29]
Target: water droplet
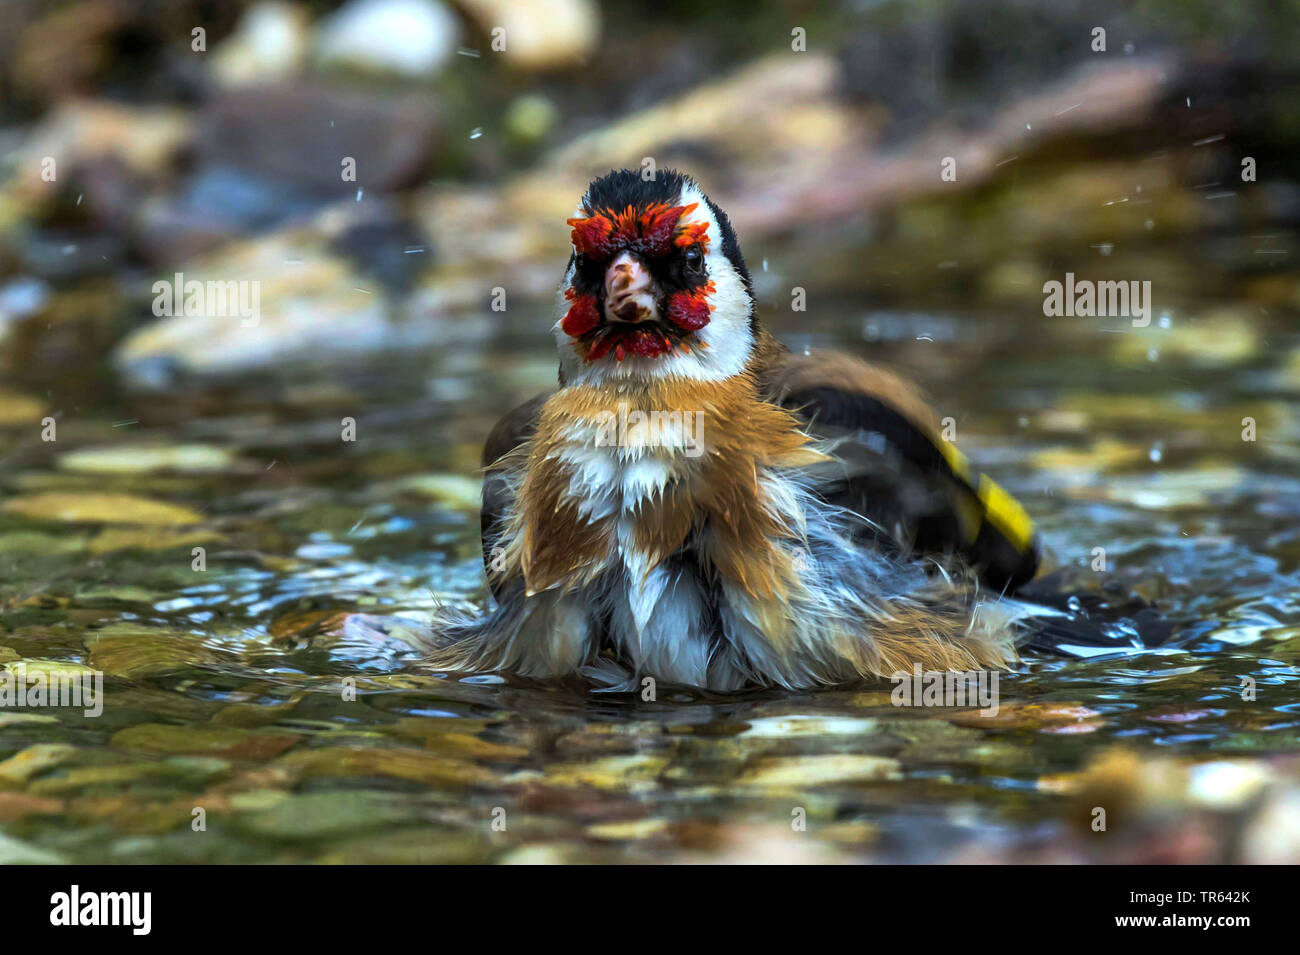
[1123,631]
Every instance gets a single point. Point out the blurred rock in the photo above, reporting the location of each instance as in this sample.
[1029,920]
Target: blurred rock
[79,181]
[32,761]
[216,204]
[91,508]
[131,50]
[1161,809]
[13,852]
[19,410]
[752,138]
[453,490]
[541,34]
[800,772]
[137,459]
[19,298]
[143,140]
[300,135]
[412,38]
[269,45]
[274,154]
[61,53]
[70,329]
[380,238]
[1273,836]
[1227,785]
[312,303]
[102,182]
[1220,337]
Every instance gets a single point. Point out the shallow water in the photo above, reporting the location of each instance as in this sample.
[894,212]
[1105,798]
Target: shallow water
[222,693]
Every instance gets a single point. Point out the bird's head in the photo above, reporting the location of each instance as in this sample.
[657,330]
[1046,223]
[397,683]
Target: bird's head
[656,285]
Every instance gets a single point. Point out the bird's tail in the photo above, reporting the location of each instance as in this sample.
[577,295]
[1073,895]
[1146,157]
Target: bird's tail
[1054,618]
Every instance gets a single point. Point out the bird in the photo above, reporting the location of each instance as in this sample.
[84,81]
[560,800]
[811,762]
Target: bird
[699,504]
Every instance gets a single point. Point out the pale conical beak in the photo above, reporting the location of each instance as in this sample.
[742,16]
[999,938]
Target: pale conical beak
[630,291]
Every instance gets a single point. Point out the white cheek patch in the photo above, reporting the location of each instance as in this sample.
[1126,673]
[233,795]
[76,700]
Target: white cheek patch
[727,335]
[562,302]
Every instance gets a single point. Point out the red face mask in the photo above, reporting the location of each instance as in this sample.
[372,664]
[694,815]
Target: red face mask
[652,232]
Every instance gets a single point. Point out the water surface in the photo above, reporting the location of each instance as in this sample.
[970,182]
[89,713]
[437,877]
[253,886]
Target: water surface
[224,693]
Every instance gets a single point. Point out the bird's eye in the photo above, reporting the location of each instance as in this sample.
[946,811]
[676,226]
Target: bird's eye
[693,256]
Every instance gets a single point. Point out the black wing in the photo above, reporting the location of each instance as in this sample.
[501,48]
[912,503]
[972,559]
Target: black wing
[919,490]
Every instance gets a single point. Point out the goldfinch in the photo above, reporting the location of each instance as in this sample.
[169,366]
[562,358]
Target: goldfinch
[697,504]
